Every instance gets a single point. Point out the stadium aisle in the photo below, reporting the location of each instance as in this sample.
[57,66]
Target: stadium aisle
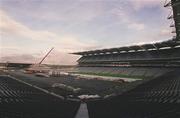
[83,111]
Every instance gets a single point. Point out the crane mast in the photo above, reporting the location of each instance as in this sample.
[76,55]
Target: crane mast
[45,56]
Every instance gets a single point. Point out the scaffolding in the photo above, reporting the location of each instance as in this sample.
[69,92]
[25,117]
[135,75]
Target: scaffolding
[174,16]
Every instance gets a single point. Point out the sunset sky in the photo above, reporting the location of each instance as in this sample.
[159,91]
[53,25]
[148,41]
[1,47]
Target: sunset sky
[29,28]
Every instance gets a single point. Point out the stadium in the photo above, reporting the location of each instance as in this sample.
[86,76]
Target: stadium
[153,93]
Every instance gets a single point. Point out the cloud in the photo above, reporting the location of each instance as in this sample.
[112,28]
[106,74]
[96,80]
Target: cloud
[136,26]
[71,26]
[18,58]
[64,43]
[162,34]
[9,26]
[165,32]
[58,10]
[125,17]
[56,57]
[15,54]
[8,50]
[139,4]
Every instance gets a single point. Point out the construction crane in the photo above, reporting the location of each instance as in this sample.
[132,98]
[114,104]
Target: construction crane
[39,68]
[45,56]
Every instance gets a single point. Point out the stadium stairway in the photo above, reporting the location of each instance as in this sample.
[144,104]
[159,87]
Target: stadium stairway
[83,111]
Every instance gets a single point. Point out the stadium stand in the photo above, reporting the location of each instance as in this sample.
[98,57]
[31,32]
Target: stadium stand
[131,71]
[154,58]
[17,65]
[18,100]
[117,57]
[158,98]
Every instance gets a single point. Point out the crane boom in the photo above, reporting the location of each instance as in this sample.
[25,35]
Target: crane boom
[45,56]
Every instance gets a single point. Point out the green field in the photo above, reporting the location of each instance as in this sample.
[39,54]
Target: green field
[111,75]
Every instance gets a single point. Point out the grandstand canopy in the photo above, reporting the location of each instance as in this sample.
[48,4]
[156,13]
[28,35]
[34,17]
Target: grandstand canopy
[144,47]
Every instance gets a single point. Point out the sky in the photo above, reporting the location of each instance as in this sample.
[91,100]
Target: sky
[30,28]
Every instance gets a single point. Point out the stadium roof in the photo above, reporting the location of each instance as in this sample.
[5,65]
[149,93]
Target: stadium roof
[154,46]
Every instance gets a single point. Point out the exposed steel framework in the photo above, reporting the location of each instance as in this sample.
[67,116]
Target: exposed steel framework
[174,6]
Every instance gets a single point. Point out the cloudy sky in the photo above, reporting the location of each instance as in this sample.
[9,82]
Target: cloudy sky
[29,28]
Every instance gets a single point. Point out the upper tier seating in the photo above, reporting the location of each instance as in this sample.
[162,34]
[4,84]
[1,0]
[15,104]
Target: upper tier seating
[142,55]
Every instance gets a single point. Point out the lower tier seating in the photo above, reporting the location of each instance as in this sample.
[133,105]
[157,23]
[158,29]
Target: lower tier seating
[131,71]
[158,98]
[18,100]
